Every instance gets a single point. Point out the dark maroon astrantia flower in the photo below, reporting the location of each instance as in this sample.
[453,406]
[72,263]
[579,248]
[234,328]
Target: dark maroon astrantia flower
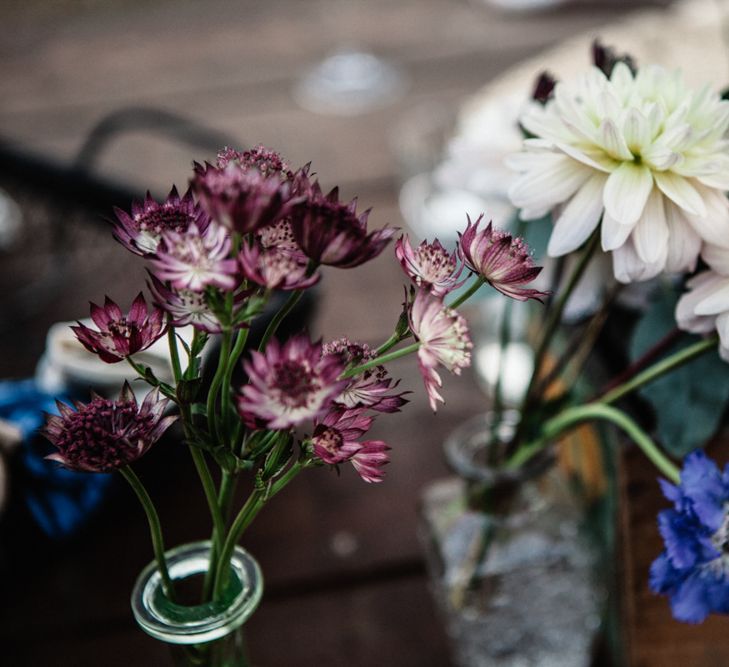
[335,440]
[330,232]
[185,307]
[369,389]
[500,259]
[120,336]
[141,230]
[429,266]
[248,190]
[289,384]
[104,435]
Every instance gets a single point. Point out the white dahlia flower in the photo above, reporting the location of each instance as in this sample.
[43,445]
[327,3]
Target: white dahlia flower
[645,154]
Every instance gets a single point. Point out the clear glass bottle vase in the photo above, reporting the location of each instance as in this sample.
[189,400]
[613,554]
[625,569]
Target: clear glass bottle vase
[202,635]
[510,566]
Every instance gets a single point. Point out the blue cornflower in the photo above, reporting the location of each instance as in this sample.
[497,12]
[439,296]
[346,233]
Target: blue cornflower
[694,568]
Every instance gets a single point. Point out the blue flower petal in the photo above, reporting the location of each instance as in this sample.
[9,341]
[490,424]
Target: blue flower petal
[690,602]
[702,482]
[663,577]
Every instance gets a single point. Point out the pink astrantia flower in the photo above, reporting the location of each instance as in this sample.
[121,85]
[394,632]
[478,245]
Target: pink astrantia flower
[335,441]
[335,436]
[248,190]
[500,259]
[192,260]
[141,231]
[429,266]
[369,389]
[370,459]
[104,435]
[444,340]
[330,232]
[289,384]
[185,307]
[120,336]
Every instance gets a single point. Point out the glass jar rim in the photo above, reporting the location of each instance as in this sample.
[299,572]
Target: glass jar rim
[177,624]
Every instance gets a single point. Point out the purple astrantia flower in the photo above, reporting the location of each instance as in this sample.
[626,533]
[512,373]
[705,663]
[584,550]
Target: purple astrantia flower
[444,340]
[335,441]
[185,307]
[194,259]
[429,266]
[335,436]
[370,459]
[248,190]
[331,232]
[141,230]
[501,260]
[289,384]
[120,336]
[369,389]
[694,568]
[104,435]
[274,259]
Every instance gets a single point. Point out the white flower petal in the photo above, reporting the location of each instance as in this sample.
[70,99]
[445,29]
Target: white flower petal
[613,141]
[613,234]
[650,235]
[684,244]
[550,183]
[626,192]
[714,227]
[628,267]
[715,300]
[636,131]
[591,158]
[579,218]
[680,190]
[717,257]
[686,317]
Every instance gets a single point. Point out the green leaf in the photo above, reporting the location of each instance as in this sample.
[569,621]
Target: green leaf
[690,400]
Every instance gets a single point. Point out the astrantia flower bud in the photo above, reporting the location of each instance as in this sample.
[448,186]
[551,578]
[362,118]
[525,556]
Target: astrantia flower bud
[503,261]
[444,340]
[141,231]
[104,435]
[289,384]
[120,336]
[330,232]
[429,266]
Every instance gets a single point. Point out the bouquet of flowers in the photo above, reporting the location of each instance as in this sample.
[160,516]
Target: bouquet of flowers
[633,161]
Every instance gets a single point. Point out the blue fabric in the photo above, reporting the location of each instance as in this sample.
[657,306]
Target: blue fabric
[694,568]
[59,500]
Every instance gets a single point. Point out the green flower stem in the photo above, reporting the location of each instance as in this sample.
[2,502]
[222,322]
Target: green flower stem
[662,367]
[554,317]
[174,352]
[248,512]
[382,359]
[210,495]
[225,493]
[390,343]
[164,388]
[279,317]
[475,286]
[575,415]
[154,528]
[217,382]
[240,343]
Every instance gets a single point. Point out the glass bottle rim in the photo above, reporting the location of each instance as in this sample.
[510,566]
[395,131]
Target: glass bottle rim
[177,624]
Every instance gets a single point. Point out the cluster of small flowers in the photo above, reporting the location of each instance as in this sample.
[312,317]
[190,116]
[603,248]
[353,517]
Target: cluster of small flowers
[494,256]
[247,225]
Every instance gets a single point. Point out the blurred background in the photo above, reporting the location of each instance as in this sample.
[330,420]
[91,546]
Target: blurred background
[396,101]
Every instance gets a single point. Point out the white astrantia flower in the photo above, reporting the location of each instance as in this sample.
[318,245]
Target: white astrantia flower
[645,154]
[705,306]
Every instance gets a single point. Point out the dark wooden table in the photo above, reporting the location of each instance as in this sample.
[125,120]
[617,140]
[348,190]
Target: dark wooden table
[345,582]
